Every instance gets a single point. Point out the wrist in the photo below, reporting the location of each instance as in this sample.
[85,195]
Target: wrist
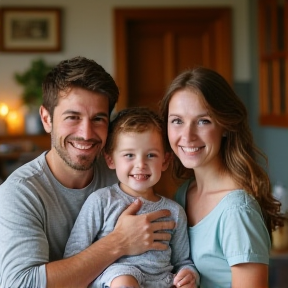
[117,249]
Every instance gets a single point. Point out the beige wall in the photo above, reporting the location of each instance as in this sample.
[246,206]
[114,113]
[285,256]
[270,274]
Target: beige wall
[88,31]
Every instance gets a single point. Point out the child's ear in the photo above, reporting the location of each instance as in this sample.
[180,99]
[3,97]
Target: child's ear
[109,161]
[167,159]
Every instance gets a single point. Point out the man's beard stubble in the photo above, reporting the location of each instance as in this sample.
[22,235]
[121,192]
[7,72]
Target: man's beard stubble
[84,163]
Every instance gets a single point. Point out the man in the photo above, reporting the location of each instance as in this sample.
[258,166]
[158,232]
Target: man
[40,201]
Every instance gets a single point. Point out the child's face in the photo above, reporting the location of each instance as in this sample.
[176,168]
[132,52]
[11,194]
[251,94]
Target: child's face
[139,159]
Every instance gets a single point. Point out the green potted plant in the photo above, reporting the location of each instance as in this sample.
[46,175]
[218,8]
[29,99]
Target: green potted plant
[31,81]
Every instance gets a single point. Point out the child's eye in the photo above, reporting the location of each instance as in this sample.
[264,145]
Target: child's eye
[151,155]
[129,155]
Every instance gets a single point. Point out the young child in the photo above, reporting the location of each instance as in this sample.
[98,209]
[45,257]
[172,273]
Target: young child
[136,148]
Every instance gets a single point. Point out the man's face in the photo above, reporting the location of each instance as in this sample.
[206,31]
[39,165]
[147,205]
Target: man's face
[79,128]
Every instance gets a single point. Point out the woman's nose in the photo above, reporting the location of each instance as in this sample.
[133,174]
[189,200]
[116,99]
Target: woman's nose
[189,133]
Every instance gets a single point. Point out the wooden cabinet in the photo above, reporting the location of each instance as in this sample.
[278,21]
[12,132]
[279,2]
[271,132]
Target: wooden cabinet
[273,62]
[19,149]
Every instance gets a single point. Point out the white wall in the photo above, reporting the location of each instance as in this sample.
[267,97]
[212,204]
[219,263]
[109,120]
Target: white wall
[88,31]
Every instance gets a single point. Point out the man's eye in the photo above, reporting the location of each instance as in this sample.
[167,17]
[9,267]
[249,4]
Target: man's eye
[72,117]
[98,119]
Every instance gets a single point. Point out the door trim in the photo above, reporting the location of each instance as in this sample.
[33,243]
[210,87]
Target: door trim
[122,17]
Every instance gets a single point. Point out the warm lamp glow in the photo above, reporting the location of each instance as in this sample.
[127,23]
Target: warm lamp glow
[15,122]
[3,109]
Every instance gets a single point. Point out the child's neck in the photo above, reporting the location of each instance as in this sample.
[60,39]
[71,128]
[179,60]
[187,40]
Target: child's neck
[148,194]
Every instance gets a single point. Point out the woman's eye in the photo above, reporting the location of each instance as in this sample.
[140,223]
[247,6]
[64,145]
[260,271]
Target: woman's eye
[203,121]
[176,121]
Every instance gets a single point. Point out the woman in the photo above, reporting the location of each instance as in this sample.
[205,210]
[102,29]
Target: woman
[227,197]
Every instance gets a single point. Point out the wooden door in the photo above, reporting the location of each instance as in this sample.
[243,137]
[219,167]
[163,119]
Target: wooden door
[152,46]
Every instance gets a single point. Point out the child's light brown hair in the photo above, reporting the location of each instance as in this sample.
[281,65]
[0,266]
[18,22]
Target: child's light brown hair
[136,120]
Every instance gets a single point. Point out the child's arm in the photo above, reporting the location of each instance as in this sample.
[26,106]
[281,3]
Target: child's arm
[183,264]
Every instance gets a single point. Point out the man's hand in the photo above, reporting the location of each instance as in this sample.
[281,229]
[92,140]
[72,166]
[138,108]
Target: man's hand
[185,278]
[138,233]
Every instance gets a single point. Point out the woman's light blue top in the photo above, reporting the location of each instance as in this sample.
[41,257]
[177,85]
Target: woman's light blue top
[233,232]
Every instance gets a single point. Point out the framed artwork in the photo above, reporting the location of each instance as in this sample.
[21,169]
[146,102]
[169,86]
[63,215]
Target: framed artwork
[24,29]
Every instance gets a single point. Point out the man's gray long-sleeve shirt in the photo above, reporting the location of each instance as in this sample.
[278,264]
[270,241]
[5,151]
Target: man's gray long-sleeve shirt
[37,214]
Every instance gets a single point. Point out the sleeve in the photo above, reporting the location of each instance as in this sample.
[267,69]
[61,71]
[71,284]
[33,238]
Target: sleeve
[244,236]
[24,248]
[86,227]
[180,248]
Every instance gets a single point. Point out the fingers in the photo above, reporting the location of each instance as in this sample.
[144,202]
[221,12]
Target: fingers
[133,208]
[185,279]
[161,236]
[138,233]
[152,216]
[160,246]
[162,225]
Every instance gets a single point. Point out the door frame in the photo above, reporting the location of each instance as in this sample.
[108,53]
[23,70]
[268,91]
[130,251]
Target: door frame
[122,17]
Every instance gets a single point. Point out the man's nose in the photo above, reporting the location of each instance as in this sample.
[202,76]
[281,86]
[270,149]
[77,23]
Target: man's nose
[86,129]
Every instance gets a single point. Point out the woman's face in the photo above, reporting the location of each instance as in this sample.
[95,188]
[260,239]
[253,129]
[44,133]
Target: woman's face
[194,136]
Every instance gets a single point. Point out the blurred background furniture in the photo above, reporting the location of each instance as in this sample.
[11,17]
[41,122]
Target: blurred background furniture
[20,149]
[278,270]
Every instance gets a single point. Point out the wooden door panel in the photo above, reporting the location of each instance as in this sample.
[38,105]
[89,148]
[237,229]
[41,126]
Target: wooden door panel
[148,51]
[154,45]
[189,52]
[142,88]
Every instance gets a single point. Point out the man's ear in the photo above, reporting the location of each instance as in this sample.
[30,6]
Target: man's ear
[46,119]
[109,161]
[167,159]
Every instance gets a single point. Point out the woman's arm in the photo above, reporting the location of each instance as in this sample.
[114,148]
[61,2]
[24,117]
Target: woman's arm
[250,275]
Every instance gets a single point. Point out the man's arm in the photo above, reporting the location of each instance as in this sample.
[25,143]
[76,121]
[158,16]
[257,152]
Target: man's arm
[132,235]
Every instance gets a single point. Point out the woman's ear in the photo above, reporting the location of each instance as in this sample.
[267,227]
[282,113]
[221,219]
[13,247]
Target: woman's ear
[167,159]
[46,119]
[109,161]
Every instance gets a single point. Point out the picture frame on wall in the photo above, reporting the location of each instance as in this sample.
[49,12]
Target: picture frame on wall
[25,29]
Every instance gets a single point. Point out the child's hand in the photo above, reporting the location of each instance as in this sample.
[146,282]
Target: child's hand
[185,278]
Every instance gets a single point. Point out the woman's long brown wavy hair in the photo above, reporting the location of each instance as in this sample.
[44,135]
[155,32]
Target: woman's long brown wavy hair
[241,158]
